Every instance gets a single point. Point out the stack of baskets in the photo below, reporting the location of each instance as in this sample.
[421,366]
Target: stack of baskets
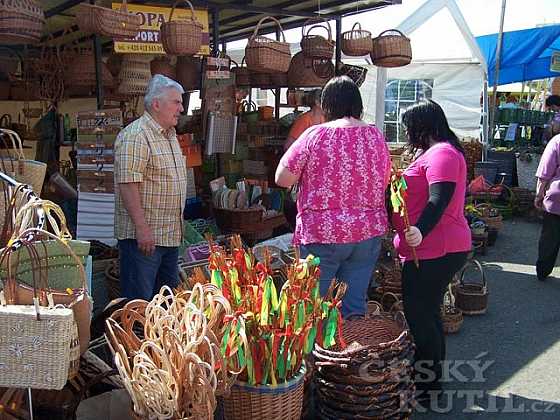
[391,49]
[116,24]
[372,377]
[134,76]
[21,22]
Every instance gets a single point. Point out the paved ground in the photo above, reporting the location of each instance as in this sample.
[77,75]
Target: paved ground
[518,340]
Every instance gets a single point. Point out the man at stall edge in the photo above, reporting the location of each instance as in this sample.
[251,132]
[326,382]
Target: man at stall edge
[151,181]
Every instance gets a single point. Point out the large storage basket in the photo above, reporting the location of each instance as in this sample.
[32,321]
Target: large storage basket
[472,298]
[266,55]
[116,24]
[181,37]
[356,42]
[391,49]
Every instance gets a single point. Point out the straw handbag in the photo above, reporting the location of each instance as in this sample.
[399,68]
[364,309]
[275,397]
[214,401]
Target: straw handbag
[21,22]
[23,170]
[182,36]
[356,42]
[317,46]
[391,49]
[265,55]
[35,345]
[116,24]
[134,76]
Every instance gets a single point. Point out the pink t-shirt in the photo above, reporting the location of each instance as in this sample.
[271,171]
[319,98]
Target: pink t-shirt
[440,163]
[342,183]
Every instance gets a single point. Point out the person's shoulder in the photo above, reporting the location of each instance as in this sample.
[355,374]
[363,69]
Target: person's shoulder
[133,132]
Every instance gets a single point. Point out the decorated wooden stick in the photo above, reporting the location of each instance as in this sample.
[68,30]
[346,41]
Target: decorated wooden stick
[398,200]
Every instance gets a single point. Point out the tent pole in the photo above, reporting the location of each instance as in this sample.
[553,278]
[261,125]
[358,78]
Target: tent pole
[485,130]
[496,72]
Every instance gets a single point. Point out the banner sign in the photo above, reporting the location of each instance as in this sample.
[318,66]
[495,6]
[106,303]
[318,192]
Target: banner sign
[148,40]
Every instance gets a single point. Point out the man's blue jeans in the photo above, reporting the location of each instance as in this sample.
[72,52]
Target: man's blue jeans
[143,276]
[352,263]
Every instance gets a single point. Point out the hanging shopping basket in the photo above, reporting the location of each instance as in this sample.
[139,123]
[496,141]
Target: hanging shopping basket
[189,72]
[265,55]
[134,76]
[391,49]
[181,36]
[472,298]
[356,42]
[317,46]
[116,24]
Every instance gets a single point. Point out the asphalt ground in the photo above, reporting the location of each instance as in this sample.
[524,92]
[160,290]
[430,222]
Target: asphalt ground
[505,364]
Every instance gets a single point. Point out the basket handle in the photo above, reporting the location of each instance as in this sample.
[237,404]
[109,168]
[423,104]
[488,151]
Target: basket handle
[479,266]
[16,143]
[319,23]
[391,30]
[256,31]
[358,25]
[389,295]
[449,292]
[124,6]
[175,5]
[6,121]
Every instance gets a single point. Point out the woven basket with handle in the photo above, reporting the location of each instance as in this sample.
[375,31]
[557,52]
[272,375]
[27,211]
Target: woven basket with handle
[181,36]
[356,42]
[309,72]
[241,74]
[317,46]
[265,55]
[116,24]
[472,298]
[21,21]
[391,49]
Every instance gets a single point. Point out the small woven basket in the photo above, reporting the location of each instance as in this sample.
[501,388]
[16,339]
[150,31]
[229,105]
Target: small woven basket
[356,42]
[265,55]
[472,298]
[247,402]
[490,216]
[317,46]
[116,24]
[181,37]
[238,219]
[391,49]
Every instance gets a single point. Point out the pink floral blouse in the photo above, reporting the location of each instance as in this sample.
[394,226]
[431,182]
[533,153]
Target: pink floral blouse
[342,172]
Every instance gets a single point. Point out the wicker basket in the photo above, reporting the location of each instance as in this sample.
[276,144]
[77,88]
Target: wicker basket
[356,42]
[116,24]
[356,73]
[81,71]
[241,74]
[265,55]
[472,299]
[451,316]
[181,37]
[279,79]
[317,46]
[303,72]
[134,76]
[247,402]
[259,79]
[189,72]
[21,22]
[237,219]
[163,66]
[490,216]
[391,49]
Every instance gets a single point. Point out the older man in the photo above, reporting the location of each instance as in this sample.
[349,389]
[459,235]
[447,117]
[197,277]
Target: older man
[151,180]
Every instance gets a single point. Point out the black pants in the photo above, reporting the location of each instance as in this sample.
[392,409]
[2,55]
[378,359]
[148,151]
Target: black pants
[423,291]
[549,244]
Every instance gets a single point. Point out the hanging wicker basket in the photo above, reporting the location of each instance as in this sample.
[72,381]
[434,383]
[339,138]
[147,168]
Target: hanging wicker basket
[116,24]
[472,298]
[265,55]
[163,66]
[391,49]
[134,76]
[81,71]
[317,46]
[309,72]
[21,22]
[356,42]
[241,74]
[189,72]
[181,36]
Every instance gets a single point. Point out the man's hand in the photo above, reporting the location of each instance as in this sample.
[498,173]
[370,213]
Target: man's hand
[539,202]
[145,240]
[413,236]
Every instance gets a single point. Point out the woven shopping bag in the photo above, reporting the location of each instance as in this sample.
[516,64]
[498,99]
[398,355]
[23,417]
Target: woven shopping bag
[35,341]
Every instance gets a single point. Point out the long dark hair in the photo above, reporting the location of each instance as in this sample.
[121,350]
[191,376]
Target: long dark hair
[341,98]
[425,121]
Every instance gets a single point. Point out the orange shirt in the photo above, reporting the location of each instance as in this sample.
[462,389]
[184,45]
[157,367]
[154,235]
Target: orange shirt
[302,123]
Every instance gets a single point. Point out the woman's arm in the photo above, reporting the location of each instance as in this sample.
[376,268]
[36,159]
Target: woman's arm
[284,177]
[542,186]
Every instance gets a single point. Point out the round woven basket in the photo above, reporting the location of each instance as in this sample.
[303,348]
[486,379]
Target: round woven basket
[356,42]
[21,22]
[183,36]
[81,71]
[248,402]
[472,298]
[317,46]
[391,49]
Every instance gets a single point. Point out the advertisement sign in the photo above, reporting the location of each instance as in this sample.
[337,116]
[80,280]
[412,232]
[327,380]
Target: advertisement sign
[148,40]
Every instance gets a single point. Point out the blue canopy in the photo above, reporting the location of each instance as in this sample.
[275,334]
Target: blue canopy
[526,54]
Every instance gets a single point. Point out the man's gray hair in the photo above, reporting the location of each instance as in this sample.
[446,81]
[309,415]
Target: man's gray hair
[157,88]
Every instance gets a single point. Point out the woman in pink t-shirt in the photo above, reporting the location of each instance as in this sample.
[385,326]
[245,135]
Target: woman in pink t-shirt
[341,168]
[439,231]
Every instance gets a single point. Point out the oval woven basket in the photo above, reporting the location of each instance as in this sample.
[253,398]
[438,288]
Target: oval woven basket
[116,24]
[472,298]
[21,22]
[265,55]
[317,46]
[356,42]
[303,72]
[181,36]
[391,49]
[248,402]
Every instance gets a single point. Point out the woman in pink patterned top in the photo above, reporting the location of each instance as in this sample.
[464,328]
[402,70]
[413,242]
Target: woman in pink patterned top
[342,167]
